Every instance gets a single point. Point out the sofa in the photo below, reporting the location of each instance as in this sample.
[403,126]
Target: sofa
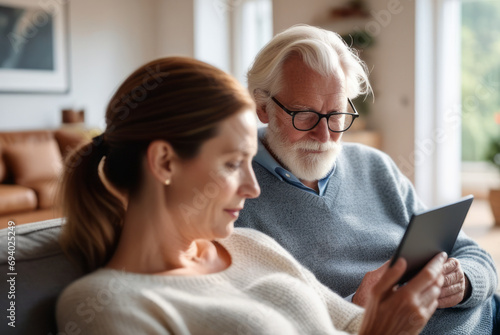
[40,271]
[30,167]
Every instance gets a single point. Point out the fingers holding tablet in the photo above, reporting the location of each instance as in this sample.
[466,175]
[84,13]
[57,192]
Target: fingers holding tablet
[430,232]
[405,308]
[425,288]
[456,287]
[430,275]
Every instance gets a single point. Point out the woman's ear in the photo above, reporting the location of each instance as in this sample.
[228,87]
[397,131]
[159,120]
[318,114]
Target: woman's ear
[262,113]
[160,160]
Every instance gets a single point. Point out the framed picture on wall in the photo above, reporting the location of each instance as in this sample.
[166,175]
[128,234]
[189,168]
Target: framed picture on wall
[33,46]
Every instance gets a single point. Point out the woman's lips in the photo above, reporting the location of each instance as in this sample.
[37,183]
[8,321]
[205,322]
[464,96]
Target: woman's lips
[234,212]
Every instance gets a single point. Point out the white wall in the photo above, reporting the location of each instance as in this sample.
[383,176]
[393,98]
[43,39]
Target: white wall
[108,39]
[394,76]
[211,30]
[289,12]
[175,27]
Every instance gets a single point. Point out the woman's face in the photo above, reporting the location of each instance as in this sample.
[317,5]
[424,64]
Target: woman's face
[211,189]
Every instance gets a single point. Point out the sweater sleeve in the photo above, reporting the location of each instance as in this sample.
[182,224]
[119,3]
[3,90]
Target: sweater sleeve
[345,315]
[479,268]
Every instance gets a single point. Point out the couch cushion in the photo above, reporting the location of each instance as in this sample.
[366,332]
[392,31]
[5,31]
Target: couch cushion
[69,139]
[45,191]
[16,198]
[11,137]
[33,161]
[43,271]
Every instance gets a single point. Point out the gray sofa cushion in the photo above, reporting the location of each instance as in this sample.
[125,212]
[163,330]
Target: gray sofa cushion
[42,272]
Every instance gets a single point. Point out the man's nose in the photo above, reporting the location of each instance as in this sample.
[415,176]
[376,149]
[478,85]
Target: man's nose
[320,133]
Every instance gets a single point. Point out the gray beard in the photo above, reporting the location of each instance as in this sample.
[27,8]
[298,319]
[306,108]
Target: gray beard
[295,158]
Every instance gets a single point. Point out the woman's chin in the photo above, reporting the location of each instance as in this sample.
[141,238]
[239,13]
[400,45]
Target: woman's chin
[226,231]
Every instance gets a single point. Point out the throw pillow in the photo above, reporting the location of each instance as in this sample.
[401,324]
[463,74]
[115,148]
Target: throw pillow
[34,161]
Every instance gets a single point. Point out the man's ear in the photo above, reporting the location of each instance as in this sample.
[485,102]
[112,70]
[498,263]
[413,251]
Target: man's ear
[161,159]
[262,113]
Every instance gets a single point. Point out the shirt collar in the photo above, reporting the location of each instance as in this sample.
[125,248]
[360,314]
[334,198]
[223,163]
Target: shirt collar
[267,161]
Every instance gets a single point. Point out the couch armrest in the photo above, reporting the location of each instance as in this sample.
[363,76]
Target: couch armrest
[43,271]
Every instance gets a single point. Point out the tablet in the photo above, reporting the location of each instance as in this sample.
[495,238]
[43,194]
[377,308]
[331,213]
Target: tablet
[430,232]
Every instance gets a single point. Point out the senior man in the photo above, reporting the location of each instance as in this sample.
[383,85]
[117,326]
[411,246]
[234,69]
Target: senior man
[341,209]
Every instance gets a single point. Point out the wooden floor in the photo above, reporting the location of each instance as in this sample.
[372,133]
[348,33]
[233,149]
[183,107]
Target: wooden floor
[479,225]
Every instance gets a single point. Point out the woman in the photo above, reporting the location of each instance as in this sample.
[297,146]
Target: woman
[150,207]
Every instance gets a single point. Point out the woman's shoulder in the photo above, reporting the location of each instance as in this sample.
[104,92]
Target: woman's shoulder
[96,299]
[261,247]
[250,236]
[99,284]
[91,280]
[104,302]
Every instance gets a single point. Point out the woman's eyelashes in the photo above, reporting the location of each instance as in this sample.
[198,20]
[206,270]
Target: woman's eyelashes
[233,165]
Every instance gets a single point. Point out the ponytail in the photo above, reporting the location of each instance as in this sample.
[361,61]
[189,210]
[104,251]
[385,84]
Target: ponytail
[93,215]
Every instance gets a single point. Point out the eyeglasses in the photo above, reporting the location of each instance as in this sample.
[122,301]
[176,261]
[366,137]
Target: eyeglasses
[307,120]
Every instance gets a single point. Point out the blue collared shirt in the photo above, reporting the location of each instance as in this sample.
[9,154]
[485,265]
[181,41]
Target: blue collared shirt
[267,161]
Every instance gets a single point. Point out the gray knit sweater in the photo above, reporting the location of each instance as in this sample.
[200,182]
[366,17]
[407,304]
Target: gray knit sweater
[357,225]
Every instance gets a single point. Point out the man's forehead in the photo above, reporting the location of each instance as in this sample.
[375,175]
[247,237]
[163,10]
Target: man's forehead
[295,65]
[300,78]
[308,96]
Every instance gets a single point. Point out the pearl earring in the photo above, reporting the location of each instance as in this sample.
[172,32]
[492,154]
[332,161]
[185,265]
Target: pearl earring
[167,182]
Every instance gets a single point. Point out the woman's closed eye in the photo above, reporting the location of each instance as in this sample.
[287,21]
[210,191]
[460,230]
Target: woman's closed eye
[233,165]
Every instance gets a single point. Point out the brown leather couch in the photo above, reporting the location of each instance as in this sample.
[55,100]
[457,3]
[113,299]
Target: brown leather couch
[30,167]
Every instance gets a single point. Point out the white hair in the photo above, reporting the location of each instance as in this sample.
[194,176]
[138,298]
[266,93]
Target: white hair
[322,50]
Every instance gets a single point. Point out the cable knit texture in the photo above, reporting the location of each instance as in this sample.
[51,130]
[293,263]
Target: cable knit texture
[264,291]
[357,225]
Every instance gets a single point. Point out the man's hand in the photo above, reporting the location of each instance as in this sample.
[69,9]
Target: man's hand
[371,278]
[456,286]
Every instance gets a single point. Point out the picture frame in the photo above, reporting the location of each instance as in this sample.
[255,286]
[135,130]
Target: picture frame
[33,46]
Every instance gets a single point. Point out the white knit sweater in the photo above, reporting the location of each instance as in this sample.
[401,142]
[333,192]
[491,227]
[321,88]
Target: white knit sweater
[264,291]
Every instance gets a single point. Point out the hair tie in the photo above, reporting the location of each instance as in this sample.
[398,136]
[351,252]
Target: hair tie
[100,144]
[98,140]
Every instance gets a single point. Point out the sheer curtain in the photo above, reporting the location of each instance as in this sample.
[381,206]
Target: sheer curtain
[438,107]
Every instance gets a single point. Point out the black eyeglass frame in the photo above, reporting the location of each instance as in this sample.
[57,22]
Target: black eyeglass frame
[355,115]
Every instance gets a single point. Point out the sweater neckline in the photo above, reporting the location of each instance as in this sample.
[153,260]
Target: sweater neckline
[195,279]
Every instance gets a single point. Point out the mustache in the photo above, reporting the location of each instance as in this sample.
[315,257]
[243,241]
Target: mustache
[315,146]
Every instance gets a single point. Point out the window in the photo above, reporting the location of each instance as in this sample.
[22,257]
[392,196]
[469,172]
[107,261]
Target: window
[480,85]
[229,33]
[480,76]
[253,22]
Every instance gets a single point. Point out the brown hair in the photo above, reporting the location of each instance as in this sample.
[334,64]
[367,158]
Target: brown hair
[176,99]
